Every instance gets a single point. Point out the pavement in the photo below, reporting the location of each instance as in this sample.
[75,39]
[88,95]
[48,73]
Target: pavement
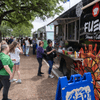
[33,87]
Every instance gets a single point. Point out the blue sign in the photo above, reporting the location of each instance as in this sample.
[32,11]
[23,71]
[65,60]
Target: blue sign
[77,88]
[67,1]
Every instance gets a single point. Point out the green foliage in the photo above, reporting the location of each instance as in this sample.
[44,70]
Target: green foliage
[22,30]
[20,11]
[5,30]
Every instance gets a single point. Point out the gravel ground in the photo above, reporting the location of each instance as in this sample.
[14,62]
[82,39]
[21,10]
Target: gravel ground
[33,87]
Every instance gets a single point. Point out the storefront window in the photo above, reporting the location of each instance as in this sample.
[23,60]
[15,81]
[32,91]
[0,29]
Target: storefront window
[61,30]
[71,31]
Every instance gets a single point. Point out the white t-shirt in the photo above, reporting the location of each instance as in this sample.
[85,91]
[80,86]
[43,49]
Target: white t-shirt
[38,42]
[15,55]
[20,41]
[27,42]
[14,39]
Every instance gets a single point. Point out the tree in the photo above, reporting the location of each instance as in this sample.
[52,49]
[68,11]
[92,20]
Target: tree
[20,11]
[5,30]
[21,30]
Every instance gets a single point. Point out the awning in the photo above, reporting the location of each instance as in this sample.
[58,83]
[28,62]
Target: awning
[62,20]
[90,4]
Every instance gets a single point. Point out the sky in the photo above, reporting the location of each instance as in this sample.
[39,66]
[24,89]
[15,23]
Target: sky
[38,23]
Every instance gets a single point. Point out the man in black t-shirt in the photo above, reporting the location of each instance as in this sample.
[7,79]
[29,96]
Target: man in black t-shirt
[49,57]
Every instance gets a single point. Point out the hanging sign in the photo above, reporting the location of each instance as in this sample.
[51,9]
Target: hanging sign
[95,10]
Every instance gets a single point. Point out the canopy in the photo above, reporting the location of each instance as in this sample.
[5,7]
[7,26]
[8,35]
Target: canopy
[62,20]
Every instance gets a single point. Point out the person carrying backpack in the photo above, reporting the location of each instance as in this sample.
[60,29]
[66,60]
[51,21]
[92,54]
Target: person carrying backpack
[6,71]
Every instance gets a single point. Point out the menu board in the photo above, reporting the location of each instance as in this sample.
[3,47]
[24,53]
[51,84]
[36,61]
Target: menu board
[50,35]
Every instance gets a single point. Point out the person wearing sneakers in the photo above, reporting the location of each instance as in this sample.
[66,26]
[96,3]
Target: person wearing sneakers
[40,52]
[49,51]
[15,50]
[27,46]
[6,71]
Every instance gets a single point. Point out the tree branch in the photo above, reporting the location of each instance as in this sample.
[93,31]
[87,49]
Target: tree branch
[13,22]
[7,12]
[24,8]
[2,4]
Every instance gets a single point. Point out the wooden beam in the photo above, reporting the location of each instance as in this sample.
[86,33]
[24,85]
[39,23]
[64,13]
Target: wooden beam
[90,4]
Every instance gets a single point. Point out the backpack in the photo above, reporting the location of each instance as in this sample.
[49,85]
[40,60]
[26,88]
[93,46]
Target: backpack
[1,65]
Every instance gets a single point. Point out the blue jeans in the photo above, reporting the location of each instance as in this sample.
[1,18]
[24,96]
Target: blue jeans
[50,62]
[27,50]
[34,48]
[24,49]
[40,65]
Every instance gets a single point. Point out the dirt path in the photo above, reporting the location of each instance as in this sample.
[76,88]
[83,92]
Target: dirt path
[33,87]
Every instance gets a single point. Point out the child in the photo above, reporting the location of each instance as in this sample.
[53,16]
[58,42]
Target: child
[15,50]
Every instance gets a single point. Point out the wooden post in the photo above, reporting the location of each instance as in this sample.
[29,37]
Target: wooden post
[64,31]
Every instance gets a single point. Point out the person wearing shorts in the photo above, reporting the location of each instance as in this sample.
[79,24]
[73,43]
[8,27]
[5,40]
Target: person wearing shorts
[15,50]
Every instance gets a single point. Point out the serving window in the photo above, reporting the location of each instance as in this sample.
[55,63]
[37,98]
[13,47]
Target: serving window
[59,30]
[72,31]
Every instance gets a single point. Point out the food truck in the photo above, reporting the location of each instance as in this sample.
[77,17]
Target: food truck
[45,32]
[77,41]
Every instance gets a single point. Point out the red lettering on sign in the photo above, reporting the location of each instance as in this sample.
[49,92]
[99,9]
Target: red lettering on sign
[94,40]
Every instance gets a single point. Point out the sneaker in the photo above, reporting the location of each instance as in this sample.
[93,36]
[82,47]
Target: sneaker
[13,80]
[39,75]
[19,81]
[51,76]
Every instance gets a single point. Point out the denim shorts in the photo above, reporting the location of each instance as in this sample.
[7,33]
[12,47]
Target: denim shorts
[17,63]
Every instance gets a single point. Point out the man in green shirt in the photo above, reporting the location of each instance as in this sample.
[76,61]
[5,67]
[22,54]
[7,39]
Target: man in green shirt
[5,59]
[45,44]
[6,72]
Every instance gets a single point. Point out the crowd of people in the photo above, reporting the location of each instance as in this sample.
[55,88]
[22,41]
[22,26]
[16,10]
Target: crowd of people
[50,54]
[24,42]
[10,60]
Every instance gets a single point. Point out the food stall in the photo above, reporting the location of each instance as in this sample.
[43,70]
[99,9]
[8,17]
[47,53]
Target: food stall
[46,32]
[77,41]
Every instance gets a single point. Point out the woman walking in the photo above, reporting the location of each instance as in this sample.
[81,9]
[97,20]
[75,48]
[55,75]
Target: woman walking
[27,46]
[40,53]
[50,51]
[24,46]
[15,50]
[6,71]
